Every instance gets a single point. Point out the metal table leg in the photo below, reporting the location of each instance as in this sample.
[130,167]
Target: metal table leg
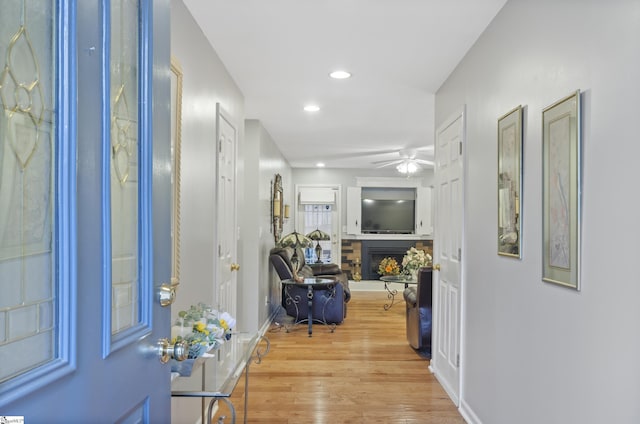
[391,296]
[310,312]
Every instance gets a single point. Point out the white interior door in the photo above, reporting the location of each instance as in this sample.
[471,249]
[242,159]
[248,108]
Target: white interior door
[227,227]
[447,245]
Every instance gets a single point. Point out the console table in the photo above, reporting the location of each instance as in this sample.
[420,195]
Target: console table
[216,376]
[328,286]
[392,293]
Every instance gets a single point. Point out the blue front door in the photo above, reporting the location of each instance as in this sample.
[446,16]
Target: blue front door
[85,194]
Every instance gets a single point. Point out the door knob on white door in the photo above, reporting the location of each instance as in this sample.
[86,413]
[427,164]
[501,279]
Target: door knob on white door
[178,351]
[235,267]
[436,267]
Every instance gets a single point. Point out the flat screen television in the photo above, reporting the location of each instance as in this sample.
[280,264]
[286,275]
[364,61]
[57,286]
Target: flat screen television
[388,210]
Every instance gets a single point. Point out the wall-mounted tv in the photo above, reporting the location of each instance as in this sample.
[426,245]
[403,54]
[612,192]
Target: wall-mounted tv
[388,210]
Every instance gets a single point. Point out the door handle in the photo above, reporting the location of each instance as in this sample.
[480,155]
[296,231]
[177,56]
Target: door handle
[168,292]
[235,267]
[178,351]
[436,267]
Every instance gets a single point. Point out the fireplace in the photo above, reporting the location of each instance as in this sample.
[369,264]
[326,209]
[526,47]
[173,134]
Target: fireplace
[373,251]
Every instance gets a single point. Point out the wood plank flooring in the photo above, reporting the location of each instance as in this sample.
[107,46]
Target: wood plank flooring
[364,372]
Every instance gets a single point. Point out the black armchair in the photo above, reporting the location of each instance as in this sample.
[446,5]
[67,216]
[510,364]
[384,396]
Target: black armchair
[419,311]
[334,312]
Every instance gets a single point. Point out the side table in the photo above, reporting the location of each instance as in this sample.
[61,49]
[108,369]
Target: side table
[392,293]
[313,285]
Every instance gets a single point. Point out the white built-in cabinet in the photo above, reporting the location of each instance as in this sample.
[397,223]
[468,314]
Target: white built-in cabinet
[424,222]
[354,210]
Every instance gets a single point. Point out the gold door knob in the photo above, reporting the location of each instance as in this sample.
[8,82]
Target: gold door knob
[436,267]
[166,350]
[235,267]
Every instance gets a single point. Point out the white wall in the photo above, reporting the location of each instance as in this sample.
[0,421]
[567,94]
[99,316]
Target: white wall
[205,83]
[263,160]
[536,352]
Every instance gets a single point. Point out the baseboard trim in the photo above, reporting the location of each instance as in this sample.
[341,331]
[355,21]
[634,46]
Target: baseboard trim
[467,413]
[267,324]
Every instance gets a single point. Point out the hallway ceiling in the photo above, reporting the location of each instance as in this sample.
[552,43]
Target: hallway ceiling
[280,52]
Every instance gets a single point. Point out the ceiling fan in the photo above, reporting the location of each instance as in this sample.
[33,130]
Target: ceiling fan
[408,163]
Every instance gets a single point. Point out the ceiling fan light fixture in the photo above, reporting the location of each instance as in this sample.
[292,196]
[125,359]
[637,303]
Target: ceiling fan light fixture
[340,74]
[407,167]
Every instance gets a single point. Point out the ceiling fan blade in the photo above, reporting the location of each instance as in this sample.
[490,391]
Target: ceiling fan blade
[424,162]
[380,162]
[389,163]
[358,154]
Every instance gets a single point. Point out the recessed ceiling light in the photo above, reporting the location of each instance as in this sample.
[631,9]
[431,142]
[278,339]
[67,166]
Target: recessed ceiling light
[320,165]
[312,108]
[340,74]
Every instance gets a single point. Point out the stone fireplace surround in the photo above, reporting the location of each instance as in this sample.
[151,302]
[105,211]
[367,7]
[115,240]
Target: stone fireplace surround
[370,252]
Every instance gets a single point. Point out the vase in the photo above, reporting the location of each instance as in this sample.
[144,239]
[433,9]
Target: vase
[413,274]
[183,368]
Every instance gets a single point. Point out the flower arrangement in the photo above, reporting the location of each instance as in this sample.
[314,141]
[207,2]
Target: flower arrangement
[414,260]
[388,266]
[203,327]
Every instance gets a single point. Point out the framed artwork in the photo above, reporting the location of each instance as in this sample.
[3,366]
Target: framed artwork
[510,183]
[561,152]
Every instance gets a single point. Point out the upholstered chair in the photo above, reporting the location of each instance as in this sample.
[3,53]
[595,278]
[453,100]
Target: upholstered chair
[331,307]
[418,300]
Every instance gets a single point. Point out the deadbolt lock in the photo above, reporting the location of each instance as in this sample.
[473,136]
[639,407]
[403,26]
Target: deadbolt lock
[168,292]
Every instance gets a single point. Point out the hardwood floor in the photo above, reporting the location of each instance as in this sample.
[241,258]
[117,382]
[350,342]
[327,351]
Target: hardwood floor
[364,372]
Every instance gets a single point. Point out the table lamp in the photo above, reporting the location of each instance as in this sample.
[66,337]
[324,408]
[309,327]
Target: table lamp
[295,240]
[317,235]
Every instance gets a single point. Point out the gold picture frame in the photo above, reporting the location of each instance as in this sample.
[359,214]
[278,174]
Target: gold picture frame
[561,155]
[277,207]
[510,183]
[176,141]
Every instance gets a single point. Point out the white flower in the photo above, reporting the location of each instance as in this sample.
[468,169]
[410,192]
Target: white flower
[216,331]
[231,321]
[415,259]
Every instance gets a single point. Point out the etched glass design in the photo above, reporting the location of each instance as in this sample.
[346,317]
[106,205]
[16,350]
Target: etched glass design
[124,165]
[28,330]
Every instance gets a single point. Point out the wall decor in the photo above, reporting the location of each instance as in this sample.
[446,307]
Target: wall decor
[510,183]
[561,152]
[277,205]
[176,141]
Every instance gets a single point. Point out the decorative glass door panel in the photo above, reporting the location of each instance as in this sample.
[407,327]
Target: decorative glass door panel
[28,304]
[125,279]
[76,231]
